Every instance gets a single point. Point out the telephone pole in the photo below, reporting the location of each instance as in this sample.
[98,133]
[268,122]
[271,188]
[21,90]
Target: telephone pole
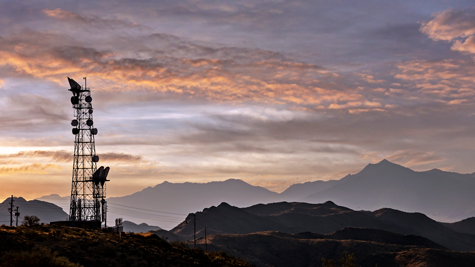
[11,211]
[17,214]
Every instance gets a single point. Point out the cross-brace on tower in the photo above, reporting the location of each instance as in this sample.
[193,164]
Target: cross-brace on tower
[88,191]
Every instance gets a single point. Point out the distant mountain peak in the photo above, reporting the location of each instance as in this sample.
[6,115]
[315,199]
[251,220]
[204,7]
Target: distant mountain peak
[386,162]
[385,165]
[224,205]
[329,203]
[231,180]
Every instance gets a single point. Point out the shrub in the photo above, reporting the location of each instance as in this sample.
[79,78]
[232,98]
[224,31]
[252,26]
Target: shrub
[40,257]
[348,260]
[30,220]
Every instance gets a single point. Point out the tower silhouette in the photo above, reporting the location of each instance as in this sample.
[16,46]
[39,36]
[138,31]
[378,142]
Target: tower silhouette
[88,191]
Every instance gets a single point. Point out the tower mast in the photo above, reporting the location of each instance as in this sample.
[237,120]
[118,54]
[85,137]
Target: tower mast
[88,182]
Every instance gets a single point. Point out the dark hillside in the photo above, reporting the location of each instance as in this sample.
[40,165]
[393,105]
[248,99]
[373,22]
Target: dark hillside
[97,248]
[295,217]
[421,225]
[465,226]
[306,249]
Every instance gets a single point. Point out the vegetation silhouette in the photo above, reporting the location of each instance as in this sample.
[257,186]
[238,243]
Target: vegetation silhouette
[69,246]
[30,220]
[347,260]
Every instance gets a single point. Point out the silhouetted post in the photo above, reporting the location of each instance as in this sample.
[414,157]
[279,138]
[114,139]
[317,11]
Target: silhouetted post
[206,242]
[17,214]
[11,211]
[194,230]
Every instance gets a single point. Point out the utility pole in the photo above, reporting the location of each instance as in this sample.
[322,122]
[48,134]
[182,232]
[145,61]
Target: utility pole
[17,214]
[206,241]
[194,230]
[11,211]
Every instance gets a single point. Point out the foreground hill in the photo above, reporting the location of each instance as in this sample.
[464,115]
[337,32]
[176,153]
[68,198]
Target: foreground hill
[47,212]
[25,246]
[284,217]
[323,218]
[371,248]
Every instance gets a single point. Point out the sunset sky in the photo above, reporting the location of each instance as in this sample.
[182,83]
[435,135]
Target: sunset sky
[271,92]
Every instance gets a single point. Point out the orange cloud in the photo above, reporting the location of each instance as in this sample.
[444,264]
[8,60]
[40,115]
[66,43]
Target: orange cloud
[369,78]
[240,75]
[32,168]
[62,14]
[447,81]
[466,46]
[64,156]
[414,158]
[452,24]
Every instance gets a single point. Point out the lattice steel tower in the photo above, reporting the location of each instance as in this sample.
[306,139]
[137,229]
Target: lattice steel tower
[88,191]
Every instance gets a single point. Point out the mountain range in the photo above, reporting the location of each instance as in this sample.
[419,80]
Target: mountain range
[443,196]
[47,212]
[326,218]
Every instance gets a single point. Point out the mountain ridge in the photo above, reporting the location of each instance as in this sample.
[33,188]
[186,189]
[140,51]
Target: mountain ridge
[444,196]
[324,218]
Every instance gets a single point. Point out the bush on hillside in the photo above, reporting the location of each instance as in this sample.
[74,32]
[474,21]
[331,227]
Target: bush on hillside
[348,260]
[30,220]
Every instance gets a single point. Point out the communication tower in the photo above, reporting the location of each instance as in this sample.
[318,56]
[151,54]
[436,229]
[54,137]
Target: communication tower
[88,191]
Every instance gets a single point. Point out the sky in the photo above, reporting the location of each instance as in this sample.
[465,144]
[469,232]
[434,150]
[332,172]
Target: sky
[271,92]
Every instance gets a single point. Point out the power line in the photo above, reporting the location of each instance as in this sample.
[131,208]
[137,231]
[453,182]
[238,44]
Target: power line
[145,212]
[150,218]
[138,213]
[148,209]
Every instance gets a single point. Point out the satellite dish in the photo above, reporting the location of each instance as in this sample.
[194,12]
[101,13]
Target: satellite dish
[106,172]
[104,176]
[75,131]
[74,123]
[88,99]
[89,122]
[96,177]
[94,131]
[74,85]
[95,158]
[74,100]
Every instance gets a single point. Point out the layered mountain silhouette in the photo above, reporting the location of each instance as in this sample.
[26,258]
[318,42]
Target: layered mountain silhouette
[443,196]
[47,212]
[58,200]
[323,218]
[175,201]
[464,226]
